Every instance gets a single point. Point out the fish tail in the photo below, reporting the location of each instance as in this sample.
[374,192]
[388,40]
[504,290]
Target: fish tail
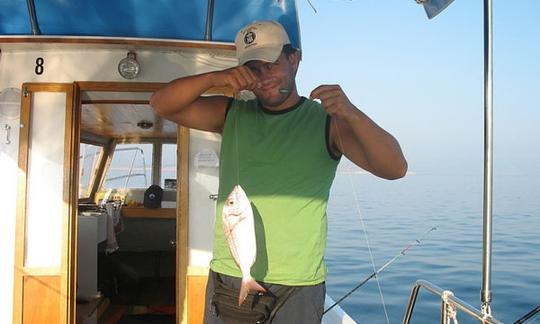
[247,286]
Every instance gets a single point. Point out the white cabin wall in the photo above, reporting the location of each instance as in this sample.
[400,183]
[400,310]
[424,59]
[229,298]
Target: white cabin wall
[204,182]
[69,63]
[8,201]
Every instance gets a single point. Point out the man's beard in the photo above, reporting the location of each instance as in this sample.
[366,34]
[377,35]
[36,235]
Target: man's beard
[273,101]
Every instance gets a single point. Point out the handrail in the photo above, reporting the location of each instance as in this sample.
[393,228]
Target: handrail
[448,301]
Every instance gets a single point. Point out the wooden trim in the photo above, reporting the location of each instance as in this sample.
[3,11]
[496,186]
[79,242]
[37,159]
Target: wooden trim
[157,150]
[71,195]
[196,295]
[147,140]
[138,87]
[90,138]
[68,201]
[42,295]
[45,87]
[119,41]
[140,212]
[198,271]
[20,227]
[182,225]
[120,86]
[41,271]
[118,101]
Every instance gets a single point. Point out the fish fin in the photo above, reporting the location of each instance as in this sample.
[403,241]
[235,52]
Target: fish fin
[246,287]
[230,227]
[227,232]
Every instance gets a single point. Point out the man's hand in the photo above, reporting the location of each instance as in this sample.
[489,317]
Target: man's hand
[183,101]
[238,78]
[355,135]
[333,99]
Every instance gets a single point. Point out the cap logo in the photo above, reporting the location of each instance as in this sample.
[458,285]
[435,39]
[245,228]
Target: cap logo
[249,38]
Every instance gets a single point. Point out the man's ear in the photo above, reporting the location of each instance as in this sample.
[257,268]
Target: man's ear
[295,58]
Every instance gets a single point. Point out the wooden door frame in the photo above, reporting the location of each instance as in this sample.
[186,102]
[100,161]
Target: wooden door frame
[44,275]
[182,225]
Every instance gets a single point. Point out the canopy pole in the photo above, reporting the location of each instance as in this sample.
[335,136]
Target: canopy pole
[488,160]
[209,20]
[33,17]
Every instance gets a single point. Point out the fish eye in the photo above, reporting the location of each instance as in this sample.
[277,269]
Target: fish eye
[230,202]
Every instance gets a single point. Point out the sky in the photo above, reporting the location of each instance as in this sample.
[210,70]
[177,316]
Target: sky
[422,80]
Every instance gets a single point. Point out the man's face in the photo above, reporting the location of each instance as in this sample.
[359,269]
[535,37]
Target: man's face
[276,79]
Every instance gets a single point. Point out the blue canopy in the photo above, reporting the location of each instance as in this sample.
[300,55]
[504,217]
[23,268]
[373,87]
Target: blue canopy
[170,19]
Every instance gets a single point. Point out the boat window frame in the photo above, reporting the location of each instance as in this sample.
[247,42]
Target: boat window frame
[156,161]
[95,171]
[116,150]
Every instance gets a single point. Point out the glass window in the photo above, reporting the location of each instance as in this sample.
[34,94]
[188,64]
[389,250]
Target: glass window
[89,157]
[131,167]
[168,166]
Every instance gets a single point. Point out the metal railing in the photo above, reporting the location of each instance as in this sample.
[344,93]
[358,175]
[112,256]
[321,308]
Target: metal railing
[449,304]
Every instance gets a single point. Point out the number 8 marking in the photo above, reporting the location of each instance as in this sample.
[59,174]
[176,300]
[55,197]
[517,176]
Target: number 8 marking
[39,66]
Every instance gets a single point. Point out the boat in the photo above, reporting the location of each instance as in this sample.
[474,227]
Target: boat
[107,209]
[104,204]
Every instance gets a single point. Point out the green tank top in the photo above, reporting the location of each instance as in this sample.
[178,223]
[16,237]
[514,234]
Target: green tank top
[282,161]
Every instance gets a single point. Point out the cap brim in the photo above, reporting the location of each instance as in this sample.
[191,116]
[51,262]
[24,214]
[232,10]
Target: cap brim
[266,54]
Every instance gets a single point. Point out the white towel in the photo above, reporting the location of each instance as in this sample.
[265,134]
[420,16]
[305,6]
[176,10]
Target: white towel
[114,225]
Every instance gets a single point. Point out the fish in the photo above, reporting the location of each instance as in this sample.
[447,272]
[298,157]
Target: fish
[239,229]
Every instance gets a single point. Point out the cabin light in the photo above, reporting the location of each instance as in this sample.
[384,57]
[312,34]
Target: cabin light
[128,67]
[144,124]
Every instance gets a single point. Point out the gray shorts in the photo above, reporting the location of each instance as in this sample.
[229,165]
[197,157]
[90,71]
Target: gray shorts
[305,306]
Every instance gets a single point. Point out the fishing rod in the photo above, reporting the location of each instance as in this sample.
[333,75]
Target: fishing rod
[374,274]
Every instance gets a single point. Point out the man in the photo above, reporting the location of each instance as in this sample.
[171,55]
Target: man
[283,149]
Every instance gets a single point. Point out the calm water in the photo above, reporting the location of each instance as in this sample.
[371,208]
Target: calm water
[397,212]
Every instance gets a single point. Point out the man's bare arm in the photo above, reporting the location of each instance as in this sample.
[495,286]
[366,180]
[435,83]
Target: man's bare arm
[359,138]
[182,100]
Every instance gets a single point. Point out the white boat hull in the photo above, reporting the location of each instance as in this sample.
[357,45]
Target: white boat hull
[336,315]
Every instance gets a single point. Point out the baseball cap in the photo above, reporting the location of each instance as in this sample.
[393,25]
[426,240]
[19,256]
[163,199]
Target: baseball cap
[262,40]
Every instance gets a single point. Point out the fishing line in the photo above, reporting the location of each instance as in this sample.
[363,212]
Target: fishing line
[357,205]
[236,96]
[237,111]
[374,274]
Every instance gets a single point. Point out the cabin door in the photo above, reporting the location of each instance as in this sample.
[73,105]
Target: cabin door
[46,204]
[136,276]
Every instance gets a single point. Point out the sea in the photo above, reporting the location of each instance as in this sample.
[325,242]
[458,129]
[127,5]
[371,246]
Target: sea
[395,214]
